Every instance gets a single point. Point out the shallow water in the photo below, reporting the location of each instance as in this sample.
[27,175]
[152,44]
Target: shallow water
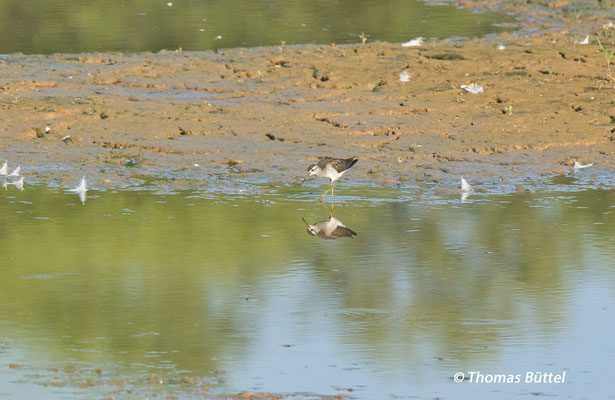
[144,293]
[59,26]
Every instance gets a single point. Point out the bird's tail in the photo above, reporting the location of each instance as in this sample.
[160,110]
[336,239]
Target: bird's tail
[352,160]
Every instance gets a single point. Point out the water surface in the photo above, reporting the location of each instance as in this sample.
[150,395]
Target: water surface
[61,26]
[140,293]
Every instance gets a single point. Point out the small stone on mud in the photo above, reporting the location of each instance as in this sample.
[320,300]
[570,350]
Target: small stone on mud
[270,136]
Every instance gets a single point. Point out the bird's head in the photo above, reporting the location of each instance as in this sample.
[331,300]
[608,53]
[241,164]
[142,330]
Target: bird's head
[310,228]
[313,169]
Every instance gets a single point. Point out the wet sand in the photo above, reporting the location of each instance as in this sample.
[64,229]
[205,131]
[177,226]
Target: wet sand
[204,119]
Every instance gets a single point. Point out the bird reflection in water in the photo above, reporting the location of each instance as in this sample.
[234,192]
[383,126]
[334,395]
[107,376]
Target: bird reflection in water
[331,228]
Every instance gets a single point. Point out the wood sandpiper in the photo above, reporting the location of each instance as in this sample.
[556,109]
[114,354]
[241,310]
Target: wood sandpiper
[331,228]
[332,168]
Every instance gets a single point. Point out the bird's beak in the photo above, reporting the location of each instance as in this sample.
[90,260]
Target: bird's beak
[304,179]
[305,221]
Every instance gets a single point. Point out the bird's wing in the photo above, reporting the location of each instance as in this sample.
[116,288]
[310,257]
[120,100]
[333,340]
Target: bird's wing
[322,163]
[341,231]
[342,164]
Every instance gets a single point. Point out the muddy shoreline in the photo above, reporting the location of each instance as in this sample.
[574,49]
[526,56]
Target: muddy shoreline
[218,120]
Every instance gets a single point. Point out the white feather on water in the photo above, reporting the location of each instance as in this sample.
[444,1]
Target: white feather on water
[81,190]
[578,165]
[414,42]
[82,186]
[18,184]
[465,186]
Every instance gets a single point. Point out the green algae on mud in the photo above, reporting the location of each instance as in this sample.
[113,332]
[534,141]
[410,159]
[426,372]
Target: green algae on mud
[216,295]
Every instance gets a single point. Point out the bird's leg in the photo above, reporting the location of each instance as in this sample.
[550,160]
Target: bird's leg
[328,209]
[323,195]
[332,188]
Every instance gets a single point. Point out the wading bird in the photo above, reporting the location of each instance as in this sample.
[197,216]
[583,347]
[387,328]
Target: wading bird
[331,228]
[332,168]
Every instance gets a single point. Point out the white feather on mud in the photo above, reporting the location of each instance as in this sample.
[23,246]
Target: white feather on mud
[473,88]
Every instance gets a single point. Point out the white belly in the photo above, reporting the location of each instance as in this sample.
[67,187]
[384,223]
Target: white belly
[331,173]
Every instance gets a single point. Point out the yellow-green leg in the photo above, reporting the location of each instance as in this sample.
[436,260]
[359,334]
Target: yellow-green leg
[332,189]
[328,209]
[323,195]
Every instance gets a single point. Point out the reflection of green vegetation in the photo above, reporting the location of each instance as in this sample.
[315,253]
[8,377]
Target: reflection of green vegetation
[193,278]
[41,26]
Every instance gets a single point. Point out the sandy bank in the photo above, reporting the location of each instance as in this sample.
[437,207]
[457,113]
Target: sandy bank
[263,114]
